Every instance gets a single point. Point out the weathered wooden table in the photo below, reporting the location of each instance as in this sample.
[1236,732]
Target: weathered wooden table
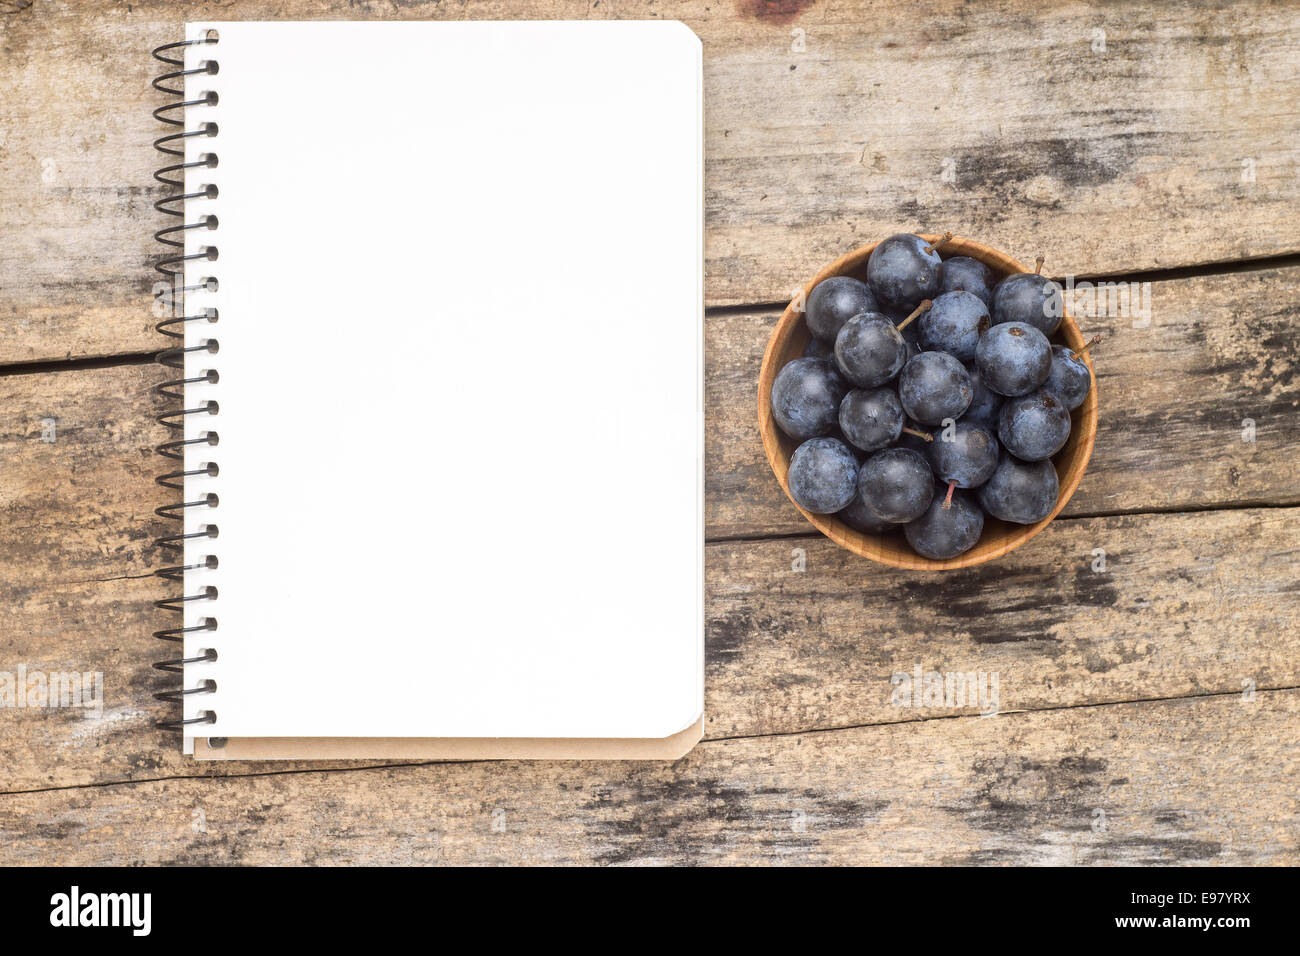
[1149,696]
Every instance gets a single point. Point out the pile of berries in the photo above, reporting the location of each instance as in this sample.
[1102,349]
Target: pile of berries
[929,396]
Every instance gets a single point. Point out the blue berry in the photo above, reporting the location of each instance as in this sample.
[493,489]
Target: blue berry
[823,475]
[1029,298]
[1013,358]
[934,386]
[869,351]
[964,455]
[967,275]
[1069,379]
[858,517]
[903,270]
[806,396]
[871,418]
[954,324]
[985,405]
[969,358]
[1023,492]
[896,484]
[1034,426]
[947,528]
[833,302]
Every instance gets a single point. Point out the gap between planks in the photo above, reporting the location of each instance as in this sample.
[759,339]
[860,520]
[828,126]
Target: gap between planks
[704,741]
[84,363]
[1084,516]
[1226,267]
[1172,274]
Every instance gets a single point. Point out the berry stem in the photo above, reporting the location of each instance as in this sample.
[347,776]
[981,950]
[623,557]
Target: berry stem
[1038,264]
[946,237]
[925,304]
[919,434]
[947,501]
[1089,344]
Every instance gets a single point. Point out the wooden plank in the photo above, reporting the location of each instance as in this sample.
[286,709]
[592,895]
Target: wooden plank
[1209,780]
[1188,604]
[1005,122]
[1220,350]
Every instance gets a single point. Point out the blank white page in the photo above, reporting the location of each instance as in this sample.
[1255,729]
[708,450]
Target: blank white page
[459,316]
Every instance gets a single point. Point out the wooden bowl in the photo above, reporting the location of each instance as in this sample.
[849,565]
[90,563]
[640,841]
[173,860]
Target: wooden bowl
[999,537]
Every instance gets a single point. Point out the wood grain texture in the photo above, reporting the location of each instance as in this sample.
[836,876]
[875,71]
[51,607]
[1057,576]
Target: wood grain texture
[1205,781]
[998,121]
[1189,604]
[1219,350]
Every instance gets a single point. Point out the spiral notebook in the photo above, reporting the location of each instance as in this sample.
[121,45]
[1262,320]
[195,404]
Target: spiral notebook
[436,441]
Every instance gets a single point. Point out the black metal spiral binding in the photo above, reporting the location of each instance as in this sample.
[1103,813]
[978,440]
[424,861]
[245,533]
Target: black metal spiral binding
[172,266]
